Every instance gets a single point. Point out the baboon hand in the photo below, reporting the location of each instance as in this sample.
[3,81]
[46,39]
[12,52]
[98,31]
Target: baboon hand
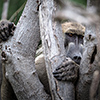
[67,71]
[6,30]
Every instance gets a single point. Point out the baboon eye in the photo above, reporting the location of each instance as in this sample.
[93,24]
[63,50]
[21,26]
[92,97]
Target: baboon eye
[82,37]
[70,34]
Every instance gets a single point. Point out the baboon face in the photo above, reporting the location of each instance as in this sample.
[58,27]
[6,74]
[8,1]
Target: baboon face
[74,33]
[74,46]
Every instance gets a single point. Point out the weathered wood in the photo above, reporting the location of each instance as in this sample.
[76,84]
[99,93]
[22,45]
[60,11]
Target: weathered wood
[20,53]
[95,85]
[53,44]
[91,58]
[88,66]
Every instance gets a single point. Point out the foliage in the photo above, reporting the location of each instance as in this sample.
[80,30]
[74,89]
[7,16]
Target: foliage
[83,2]
[1,5]
[14,5]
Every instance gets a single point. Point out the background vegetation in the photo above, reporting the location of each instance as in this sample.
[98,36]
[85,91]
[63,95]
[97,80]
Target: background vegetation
[83,2]
[16,4]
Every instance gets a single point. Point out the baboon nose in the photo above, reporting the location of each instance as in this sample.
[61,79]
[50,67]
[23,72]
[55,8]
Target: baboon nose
[77,59]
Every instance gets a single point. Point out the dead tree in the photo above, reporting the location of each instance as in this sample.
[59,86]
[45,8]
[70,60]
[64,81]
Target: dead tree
[52,42]
[20,54]
[88,65]
[90,62]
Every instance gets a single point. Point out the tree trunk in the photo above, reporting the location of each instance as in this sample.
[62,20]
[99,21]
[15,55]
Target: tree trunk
[4,16]
[19,56]
[91,57]
[53,44]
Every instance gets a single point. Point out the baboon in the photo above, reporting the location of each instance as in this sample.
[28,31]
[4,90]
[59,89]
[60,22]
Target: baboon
[74,33]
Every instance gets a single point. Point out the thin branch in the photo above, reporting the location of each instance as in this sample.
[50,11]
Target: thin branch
[18,11]
[5,9]
[94,85]
[27,85]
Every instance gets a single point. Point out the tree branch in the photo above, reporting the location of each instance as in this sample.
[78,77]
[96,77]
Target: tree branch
[20,53]
[90,62]
[54,52]
[5,9]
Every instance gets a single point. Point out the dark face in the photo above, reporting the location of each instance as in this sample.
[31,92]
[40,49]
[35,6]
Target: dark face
[74,46]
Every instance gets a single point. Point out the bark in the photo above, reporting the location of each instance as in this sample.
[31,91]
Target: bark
[0,72]
[5,9]
[3,16]
[90,62]
[95,85]
[88,66]
[53,44]
[19,56]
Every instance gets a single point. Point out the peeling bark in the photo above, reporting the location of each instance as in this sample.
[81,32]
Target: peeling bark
[87,68]
[19,55]
[53,44]
[90,62]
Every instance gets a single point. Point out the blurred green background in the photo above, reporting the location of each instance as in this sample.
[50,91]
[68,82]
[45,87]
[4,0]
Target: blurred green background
[16,4]
[83,2]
